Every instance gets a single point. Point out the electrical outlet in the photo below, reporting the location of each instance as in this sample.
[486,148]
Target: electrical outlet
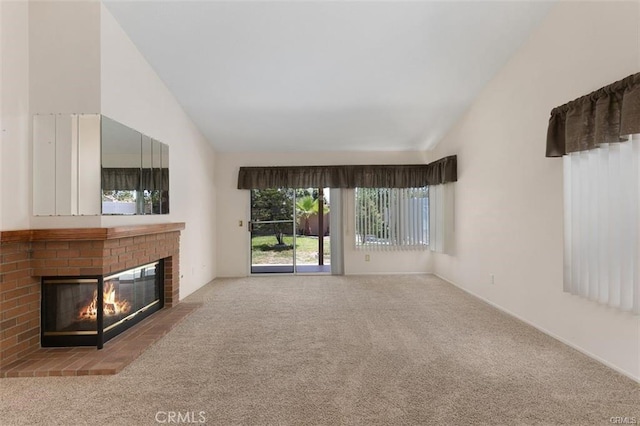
[367,258]
[492,279]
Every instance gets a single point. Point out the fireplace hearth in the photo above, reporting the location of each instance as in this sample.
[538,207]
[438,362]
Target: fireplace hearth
[90,310]
[28,255]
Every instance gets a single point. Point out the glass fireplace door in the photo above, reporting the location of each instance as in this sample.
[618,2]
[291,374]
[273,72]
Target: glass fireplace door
[64,317]
[88,311]
[129,292]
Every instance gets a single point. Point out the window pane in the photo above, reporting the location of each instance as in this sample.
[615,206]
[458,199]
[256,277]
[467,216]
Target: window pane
[391,218]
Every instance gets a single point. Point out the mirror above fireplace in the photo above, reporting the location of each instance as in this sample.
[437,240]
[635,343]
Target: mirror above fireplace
[135,171]
[90,164]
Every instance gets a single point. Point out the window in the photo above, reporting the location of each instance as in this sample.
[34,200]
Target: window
[392,218]
[597,137]
[602,231]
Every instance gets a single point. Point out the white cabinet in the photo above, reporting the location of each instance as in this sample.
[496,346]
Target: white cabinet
[66,164]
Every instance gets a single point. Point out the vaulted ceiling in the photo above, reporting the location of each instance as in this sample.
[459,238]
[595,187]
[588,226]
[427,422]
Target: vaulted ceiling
[326,75]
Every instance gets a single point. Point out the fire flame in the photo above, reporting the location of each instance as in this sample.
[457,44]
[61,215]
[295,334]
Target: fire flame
[111,306]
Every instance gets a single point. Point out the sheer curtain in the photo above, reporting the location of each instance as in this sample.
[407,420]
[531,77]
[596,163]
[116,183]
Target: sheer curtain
[336,234]
[602,230]
[441,218]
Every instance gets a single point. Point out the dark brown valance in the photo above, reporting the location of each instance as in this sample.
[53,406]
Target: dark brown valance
[366,176]
[604,116]
[132,179]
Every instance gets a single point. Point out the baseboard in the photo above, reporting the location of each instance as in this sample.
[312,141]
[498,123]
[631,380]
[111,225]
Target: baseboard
[354,274]
[543,330]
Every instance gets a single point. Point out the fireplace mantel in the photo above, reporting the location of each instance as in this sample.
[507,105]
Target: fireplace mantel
[88,234]
[28,255]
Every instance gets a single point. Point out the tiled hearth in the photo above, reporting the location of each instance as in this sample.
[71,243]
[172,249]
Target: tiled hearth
[88,361]
[27,255]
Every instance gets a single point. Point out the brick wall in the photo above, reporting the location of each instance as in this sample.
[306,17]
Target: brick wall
[19,303]
[24,260]
[56,258]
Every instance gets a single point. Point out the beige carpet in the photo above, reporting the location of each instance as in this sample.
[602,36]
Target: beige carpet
[337,350]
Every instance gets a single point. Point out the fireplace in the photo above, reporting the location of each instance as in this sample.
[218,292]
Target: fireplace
[90,310]
[28,255]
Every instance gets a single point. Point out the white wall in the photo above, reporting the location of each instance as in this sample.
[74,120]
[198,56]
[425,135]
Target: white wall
[233,251]
[64,56]
[64,77]
[67,43]
[15,163]
[509,196]
[134,95]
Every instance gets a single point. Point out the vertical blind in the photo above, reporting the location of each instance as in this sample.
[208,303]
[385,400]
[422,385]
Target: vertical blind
[392,218]
[602,233]
[597,137]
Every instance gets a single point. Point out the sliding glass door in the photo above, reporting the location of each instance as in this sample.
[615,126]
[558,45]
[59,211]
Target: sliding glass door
[313,251]
[272,229]
[290,231]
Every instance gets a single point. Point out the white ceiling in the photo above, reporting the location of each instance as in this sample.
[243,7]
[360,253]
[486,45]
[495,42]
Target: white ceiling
[326,75]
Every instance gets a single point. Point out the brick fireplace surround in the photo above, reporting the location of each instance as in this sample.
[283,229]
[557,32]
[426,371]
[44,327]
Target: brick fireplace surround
[27,255]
